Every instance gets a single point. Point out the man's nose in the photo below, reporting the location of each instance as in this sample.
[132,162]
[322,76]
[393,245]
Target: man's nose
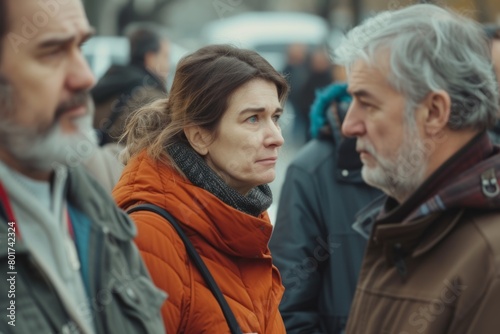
[80,77]
[353,125]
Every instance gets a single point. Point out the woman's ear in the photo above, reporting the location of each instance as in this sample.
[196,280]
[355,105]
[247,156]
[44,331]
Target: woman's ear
[438,112]
[198,138]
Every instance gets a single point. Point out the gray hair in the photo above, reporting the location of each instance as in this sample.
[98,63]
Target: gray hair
[431,49]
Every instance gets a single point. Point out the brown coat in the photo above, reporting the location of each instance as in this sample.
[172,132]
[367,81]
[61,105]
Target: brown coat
[452,282]
[432,265]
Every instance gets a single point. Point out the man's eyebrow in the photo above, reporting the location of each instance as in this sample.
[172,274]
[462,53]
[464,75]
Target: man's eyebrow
[57,40]
[363,93]
[258,110]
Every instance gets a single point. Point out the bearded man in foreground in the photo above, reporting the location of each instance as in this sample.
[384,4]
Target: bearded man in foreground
[66,249]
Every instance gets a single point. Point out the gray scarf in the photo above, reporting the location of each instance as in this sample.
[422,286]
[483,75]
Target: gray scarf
[197,171]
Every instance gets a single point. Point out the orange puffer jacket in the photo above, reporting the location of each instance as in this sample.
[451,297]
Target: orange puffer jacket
[232,244]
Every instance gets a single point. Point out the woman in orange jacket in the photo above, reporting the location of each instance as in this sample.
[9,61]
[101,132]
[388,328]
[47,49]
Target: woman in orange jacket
[205,155]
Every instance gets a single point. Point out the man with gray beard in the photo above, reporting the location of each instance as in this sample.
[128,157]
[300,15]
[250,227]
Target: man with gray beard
[424,96]
[65,248]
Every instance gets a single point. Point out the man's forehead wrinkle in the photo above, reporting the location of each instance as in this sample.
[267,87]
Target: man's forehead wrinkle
[359,77]
[366,73]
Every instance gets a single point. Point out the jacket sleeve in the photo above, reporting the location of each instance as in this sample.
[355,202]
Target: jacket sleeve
[295,252]
[160,249]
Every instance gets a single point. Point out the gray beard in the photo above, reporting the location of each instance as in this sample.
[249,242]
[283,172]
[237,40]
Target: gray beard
[402,175]
[48,150]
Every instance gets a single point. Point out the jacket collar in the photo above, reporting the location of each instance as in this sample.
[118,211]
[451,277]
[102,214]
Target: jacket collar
[83,192]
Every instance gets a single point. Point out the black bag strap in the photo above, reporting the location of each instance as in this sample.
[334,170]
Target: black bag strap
[195,257]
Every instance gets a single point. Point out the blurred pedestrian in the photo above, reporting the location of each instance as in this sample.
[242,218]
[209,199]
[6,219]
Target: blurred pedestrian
[424,96]
[206,155]
[319,76]
[122,90]
[493,33]
[296,71]
[67,257]
[313,243]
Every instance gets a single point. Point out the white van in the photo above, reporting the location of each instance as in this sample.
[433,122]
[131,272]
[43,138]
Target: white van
[269,33]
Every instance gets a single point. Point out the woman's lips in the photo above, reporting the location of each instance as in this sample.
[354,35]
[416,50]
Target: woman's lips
[268,161]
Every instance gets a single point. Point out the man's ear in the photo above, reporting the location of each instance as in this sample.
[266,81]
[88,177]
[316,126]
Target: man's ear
[198,138]
[437,112]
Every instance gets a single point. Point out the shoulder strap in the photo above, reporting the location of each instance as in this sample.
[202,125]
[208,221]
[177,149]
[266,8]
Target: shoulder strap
[195,257]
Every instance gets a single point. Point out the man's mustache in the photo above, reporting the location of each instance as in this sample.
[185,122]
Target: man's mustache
[364,146]
[80,99]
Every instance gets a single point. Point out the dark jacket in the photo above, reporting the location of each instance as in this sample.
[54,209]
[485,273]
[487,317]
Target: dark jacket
[432,264]
[313,244]
[122,90]
[122,296]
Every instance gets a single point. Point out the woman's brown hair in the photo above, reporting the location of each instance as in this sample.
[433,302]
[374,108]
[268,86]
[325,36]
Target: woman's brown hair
[203,83]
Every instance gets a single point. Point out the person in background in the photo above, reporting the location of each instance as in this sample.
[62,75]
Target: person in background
[121,91]
[124,88]
[68,261]
[206,155]
[319,76]
[493,33]
[296,71]
[313,244]
[424,96]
